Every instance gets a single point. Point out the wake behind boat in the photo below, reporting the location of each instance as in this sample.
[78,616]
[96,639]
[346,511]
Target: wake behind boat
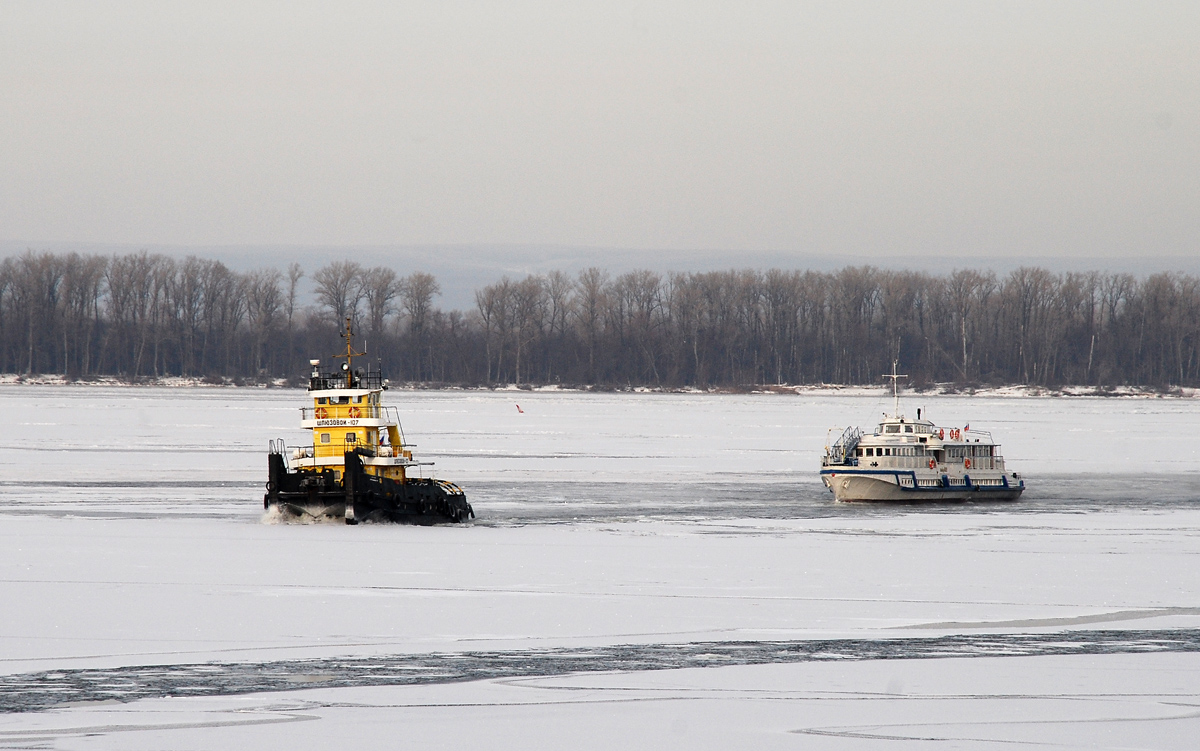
[915,460]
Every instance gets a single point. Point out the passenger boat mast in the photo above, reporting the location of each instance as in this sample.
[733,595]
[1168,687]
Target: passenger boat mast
[895,390]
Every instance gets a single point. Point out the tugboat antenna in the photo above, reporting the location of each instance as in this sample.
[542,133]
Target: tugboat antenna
[895,391]
[350,353]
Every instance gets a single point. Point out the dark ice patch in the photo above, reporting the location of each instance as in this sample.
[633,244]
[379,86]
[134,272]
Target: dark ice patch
[33,692]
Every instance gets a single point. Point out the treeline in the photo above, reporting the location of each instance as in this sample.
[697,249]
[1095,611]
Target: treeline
[143,315]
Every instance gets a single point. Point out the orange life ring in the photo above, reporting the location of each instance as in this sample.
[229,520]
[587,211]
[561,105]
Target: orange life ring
[941,434]
[932,463]
[321,413]
[967,463]
[354,411]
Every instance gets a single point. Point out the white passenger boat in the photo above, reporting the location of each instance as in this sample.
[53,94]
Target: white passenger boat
[915,460]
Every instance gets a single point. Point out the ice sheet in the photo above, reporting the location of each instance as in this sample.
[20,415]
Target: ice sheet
[131,535]
[90,434]
[1092,702]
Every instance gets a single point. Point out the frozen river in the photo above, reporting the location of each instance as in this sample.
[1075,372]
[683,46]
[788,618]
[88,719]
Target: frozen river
[647,570]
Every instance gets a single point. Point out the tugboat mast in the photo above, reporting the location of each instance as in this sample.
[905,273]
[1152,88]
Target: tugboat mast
[348,366]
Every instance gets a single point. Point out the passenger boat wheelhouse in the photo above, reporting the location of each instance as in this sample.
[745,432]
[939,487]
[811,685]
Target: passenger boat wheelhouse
[915,460]
[357,464]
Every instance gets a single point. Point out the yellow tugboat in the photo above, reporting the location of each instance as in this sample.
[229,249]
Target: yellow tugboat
[358,464]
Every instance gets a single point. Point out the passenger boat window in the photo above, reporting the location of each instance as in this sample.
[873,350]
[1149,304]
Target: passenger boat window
[324,438]
[891,428]
[870,452]
[907,428]
[858,452]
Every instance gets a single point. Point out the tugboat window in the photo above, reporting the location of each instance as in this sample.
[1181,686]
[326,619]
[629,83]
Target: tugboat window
[324,438]
[351,438]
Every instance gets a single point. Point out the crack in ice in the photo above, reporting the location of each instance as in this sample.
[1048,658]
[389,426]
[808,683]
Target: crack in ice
[33,692]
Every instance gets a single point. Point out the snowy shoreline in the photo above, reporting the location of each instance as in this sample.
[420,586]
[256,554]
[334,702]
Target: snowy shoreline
[936,389]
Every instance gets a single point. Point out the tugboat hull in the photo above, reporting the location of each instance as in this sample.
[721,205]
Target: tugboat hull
[359,496]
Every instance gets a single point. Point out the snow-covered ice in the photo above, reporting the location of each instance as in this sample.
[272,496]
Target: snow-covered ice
[132,536]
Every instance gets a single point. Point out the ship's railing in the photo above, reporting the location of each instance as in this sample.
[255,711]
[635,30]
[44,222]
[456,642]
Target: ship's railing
[984,434]
[350,412]
[339,448]
[343,380]
[842,447]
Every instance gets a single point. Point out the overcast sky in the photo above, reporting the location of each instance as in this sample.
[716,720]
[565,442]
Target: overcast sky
[1041,129]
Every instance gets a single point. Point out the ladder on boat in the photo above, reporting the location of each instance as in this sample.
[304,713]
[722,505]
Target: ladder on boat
[845,445]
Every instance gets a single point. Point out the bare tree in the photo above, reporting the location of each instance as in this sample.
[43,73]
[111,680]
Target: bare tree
[295,274]
[84,284]
[493,305]
[264,304]
[339,289]
[529,302]
[417,291]
[380,287]
[591,300]
[139,313]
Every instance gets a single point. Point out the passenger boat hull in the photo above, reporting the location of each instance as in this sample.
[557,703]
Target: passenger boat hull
[359,496]
[908,487]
